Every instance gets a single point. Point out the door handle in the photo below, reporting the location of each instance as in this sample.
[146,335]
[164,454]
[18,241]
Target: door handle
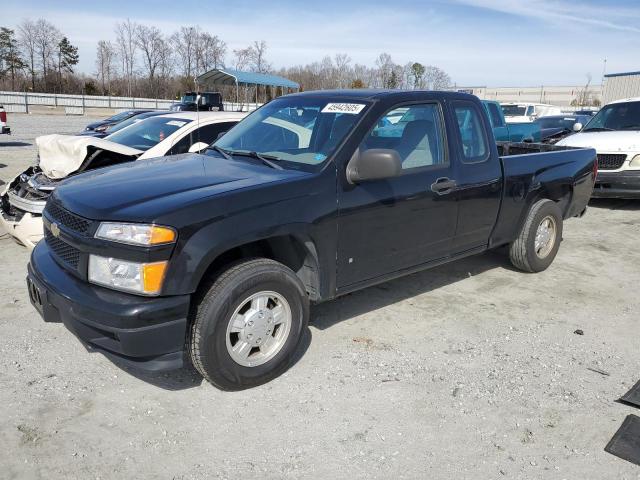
[443,185]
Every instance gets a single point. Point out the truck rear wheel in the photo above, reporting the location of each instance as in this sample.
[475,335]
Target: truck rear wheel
[247,325]
[539,239]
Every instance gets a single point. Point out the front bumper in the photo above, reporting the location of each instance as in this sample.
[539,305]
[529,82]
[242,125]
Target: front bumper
[625,184]
[26,229]
[140,332]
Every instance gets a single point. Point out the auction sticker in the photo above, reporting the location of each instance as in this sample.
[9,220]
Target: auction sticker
[352,108]
[176,123]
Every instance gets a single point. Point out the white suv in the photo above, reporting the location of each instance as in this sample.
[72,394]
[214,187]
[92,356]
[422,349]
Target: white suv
[615,134]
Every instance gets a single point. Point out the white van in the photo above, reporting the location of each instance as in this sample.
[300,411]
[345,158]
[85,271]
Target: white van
[615,134]
[527,112]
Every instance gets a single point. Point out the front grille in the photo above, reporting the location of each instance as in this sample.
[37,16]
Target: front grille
[65,252]
[66,218]
[611,161]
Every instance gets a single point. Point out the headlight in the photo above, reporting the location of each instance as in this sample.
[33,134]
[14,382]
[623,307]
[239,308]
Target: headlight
[635,162]
[141,278]
[136,234]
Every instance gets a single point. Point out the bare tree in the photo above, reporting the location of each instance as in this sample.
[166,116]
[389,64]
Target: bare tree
[185,41]
[47,39]
[242,58]
[257,56]
[210,52]
[583,96]
[27,32]
[385,68]
[436,78]
[127,47]
[342,61]
[105,57]
[154,48]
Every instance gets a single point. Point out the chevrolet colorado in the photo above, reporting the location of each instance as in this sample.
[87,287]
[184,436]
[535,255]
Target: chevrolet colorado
[216,257]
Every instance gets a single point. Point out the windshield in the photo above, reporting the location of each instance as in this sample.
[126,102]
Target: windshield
[119,116]
[557,122]
[514,110]
[147,133]
[189,98]
[617,116]
[297,131]
[135,119]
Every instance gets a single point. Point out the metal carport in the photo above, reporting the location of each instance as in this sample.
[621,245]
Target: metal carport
[229,77]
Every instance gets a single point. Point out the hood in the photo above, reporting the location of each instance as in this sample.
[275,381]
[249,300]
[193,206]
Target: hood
[94,125]
[550,132]
[61,155]
[148,189]
[627,141]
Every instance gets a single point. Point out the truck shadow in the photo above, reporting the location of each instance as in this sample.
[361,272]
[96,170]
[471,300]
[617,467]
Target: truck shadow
[328,314]
[614,204]
[15,144]
[188,377]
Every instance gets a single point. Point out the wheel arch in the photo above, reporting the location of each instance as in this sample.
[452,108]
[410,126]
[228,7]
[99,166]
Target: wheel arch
[295,251]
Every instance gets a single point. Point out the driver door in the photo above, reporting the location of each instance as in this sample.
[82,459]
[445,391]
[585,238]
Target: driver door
[388,225]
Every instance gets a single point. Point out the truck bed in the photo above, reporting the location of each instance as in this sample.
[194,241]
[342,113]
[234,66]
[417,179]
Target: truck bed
[567,178]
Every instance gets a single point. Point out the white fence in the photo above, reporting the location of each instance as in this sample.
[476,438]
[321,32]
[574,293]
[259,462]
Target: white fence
[20,102]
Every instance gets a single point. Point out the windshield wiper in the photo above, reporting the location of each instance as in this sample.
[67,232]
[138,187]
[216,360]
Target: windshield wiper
[599,129]
[266,159]
[221,151]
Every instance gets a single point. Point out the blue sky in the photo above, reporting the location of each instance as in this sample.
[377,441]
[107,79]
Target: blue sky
[478,42]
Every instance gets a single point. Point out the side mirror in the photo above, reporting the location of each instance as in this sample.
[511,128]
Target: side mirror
[373,164]
[198,147]
[577,127]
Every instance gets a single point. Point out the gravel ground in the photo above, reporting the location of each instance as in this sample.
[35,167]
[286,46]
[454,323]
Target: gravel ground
[471,370]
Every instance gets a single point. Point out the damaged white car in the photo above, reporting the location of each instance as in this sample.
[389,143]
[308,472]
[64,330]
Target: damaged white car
[60,156]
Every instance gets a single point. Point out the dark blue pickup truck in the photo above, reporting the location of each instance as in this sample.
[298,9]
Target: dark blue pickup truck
[215,258]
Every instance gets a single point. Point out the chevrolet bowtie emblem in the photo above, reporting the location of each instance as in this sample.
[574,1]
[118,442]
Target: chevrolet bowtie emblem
[55,230]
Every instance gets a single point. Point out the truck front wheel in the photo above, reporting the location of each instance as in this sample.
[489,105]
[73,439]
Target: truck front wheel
[247,325]
[539,239]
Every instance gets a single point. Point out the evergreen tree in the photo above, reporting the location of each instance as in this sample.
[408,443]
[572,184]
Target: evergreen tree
[10,60]
[67,58]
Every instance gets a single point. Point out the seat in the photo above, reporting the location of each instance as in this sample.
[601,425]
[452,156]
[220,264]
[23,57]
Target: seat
[418,147]
[339,129]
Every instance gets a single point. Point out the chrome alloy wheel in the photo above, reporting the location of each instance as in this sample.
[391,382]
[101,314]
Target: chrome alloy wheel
[545,236]
[258,328]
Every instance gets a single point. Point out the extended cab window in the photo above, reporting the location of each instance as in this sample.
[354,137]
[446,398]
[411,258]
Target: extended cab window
[414,131]
[472,133]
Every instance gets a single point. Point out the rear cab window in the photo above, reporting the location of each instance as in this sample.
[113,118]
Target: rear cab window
[472,133]
[494,115]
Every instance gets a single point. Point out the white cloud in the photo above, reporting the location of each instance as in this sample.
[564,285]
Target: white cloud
[472,48]
[562,13]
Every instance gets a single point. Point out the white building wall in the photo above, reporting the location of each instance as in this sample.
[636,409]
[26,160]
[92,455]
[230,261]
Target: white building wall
[561,96]
[621,86]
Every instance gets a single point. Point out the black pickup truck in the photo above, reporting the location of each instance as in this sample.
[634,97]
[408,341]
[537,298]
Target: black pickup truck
[216,257]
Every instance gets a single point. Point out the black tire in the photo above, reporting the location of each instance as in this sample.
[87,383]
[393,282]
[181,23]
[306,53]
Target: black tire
[214,308]
[522,251]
